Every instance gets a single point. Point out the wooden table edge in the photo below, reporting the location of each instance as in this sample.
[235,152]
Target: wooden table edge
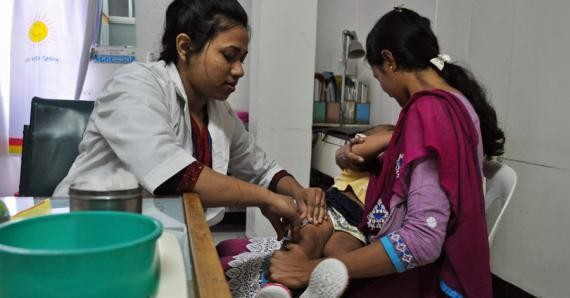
[207,272]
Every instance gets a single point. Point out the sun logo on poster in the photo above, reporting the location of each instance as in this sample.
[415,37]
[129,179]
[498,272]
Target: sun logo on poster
[40,31]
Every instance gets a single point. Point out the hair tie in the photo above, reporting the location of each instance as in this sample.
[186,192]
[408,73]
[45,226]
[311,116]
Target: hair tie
[399,8]
[440,61]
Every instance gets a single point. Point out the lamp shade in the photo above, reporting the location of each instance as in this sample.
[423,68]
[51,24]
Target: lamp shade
[355,49]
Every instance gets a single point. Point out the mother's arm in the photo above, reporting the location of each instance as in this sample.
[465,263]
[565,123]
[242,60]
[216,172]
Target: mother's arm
[292,268]
[421,236]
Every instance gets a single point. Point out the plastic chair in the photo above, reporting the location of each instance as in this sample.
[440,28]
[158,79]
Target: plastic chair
[501,183]
[51,143]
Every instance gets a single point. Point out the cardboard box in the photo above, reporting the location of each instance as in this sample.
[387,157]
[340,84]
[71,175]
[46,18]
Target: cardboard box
[363,113]
[319,111]
[349,111]
[333,112]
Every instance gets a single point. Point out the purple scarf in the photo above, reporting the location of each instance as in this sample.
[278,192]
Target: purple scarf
[435,123]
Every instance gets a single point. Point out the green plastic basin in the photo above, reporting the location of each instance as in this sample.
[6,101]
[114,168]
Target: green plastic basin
[80,254]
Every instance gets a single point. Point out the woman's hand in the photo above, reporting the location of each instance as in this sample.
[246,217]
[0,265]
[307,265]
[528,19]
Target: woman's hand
[312,204]
[291,267]
[283,214]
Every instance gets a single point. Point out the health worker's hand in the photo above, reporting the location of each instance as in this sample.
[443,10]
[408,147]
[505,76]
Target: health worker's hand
[312,204]
[283,214]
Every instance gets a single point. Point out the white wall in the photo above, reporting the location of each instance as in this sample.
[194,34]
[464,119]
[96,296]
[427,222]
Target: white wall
[518,50]
[149,26]
[282,57]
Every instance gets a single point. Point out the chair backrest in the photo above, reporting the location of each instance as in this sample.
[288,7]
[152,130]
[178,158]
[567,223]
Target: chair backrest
[51,143]
[500,185]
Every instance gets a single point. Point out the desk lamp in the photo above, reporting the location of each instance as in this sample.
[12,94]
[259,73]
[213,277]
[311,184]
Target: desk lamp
[351,49]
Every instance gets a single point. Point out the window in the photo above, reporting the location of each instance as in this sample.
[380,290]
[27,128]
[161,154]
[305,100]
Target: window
[118,24]
[121,11]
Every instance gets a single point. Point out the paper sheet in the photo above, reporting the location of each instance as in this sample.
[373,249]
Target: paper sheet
[41,208]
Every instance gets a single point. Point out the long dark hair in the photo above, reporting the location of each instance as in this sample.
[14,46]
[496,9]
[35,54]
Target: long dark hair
[413,44]
[201,20]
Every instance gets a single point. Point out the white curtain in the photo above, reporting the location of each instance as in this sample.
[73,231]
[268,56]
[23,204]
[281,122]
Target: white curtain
[5,29]
[51,41]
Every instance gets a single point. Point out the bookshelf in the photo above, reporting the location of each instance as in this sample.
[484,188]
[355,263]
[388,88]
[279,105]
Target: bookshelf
[328,108]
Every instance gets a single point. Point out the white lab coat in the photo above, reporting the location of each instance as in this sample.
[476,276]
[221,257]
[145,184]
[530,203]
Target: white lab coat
[141,123]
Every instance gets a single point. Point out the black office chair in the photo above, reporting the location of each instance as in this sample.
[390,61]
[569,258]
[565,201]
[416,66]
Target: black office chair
[51,143]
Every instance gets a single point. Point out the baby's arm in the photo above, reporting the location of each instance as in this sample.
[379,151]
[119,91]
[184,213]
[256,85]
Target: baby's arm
[375,142]
[361,154]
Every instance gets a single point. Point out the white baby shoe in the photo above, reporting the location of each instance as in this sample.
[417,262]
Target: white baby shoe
[328,279]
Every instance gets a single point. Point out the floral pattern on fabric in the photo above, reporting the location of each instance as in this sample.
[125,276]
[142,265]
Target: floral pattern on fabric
[378,216]
[244,276]
[341,224]
[402,250]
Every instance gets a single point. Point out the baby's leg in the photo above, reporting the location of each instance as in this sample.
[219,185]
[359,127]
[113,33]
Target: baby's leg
[312,238]
[341,243]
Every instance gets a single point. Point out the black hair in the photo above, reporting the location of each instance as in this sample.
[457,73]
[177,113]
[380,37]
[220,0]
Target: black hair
[201,20]
[408,36]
